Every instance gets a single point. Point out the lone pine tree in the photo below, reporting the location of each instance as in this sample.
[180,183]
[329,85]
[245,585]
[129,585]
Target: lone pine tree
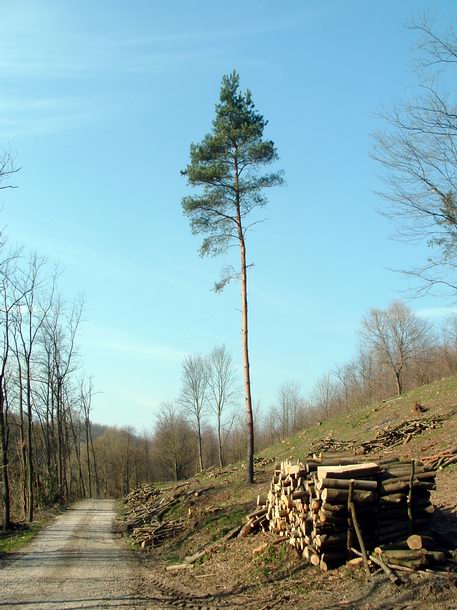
[226,167]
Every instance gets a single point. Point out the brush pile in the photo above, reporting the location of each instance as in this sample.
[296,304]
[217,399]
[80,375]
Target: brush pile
[392,436]
[144,515]
[332,509]
[145,509]
[330,444]
[156,532]
[441,459]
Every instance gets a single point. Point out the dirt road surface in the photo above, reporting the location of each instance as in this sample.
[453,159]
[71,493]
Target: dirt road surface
[75,563]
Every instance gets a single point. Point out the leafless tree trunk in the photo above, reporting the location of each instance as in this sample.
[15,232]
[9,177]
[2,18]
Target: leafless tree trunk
[194,395]
[23,443]
[94,460]
[31,318]
[85,396]
[222,389]
[10,298]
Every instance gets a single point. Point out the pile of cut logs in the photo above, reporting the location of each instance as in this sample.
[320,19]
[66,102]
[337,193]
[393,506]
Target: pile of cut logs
[333,509]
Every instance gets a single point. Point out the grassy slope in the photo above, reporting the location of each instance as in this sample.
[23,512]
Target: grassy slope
[364,423]
[217,511]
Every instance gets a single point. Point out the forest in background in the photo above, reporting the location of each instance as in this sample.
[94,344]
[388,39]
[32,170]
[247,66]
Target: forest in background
[52,452]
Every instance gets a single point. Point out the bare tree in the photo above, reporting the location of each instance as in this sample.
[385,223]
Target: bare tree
[194,396]
[171,440]
[223,390]
[291,405]
[10,298]
[31,315]
[323,394]
[397,337]
[449,341]
[347,383]
[86,392]
[418,152]
[59,335]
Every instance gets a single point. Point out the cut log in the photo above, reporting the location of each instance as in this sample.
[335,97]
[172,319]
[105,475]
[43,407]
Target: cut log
[338,496]
[421,476]
[399,486]
[415,541]
[350,471]
[344,484]
[404,554]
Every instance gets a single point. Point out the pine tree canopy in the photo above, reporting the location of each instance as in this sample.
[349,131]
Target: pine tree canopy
[225,165]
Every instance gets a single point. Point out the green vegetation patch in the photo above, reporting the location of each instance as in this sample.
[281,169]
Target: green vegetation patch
[14,540]
[221,523]
[273,560]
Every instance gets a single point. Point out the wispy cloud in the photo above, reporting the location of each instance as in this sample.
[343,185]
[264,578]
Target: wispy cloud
[51,49]
[36,120]
[436,312]
[38,47]
[100,263]
[112,340]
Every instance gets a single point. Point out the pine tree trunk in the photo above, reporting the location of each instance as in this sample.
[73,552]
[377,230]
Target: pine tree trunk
[244,333]
[246,369]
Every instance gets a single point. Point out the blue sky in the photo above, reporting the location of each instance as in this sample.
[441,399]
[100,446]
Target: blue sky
[101,101]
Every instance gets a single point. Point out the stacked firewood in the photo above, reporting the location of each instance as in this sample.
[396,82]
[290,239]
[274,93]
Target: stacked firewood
[404,499]
[331,508]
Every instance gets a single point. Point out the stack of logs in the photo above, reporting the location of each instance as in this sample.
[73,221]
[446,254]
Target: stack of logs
[333,508]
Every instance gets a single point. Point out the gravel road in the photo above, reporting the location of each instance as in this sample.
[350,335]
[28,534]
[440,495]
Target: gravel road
[77,562]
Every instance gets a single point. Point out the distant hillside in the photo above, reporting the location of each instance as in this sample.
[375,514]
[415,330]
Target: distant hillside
[364,423]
